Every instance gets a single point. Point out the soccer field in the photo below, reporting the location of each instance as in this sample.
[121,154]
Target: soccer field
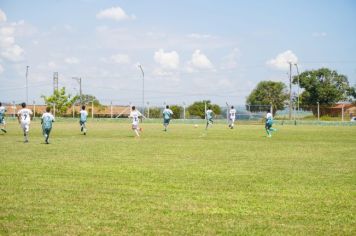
[185,181]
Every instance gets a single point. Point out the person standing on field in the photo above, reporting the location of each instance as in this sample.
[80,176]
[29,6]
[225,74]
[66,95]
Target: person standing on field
[167,115]
[24,117]
[2,118]
[232,117]
[83,120]
[46,121]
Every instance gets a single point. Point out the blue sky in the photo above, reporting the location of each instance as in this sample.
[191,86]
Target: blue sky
[190,50]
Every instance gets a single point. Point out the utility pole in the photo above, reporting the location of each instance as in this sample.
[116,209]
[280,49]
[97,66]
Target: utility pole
[290,90]
[143,89]
[27,84]
[79,80]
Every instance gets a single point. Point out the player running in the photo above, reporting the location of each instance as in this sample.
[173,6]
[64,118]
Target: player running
[83,120]
[269,123]
[232,117]
[135,115]
[46,122]
[24,117]
[167,115]
[209,117]
[2,118]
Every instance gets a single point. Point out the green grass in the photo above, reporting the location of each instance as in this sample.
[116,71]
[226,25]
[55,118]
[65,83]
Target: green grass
[183,182]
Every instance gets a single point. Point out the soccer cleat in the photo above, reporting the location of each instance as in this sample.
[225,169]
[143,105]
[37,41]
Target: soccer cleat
[4,130]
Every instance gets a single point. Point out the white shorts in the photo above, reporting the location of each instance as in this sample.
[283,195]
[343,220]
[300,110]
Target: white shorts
[25,126]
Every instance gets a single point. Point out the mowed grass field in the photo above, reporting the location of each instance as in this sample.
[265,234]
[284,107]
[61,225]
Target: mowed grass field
[302,181]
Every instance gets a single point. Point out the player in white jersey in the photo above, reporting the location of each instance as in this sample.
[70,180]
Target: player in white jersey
[135,116]
[24,117]
[209,117]
[269,123]
[232,117]
[46,121]
[2,118]
[83,120]
[167,115]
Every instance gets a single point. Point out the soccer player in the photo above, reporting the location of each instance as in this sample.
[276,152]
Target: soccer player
[167,115]
[83,120]
[2,118]
[46,121]
[135,115]
[209,117]
[232,117]
[269,123]
[24,117]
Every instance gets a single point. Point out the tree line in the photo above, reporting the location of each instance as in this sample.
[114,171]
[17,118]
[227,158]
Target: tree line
[323,86]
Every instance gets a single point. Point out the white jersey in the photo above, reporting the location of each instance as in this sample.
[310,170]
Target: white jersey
[269,116]
[167,113]
[25,115]
[83,115]
[232,114]
[47,119]
[135,117]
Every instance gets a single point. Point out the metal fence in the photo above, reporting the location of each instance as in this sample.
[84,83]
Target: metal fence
[339,112]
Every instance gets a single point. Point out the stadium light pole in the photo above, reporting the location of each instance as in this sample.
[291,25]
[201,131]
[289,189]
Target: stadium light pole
[27,67]
[143,88]
[79,80]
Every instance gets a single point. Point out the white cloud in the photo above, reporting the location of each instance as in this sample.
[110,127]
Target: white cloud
[1,69]
[71,60]
[8,48]
[120,59]
[168,60]
[2,16]
[199,61]
[281,61]
[13,53]
[230,61]
[114,13]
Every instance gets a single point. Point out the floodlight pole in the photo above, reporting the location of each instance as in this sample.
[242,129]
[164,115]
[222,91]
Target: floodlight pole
[79,80]
[27,84]
[143,89]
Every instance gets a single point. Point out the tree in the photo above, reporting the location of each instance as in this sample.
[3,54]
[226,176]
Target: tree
[268,93]
[60,100]
[198,108]
[155,112]
[324,86]
[177,110]
[86,99]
